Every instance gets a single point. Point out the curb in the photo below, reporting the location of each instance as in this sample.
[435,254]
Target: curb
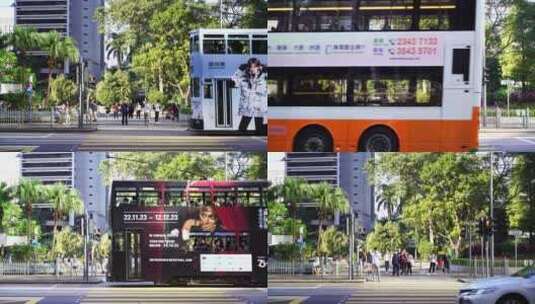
[19,282]
[47,130]
[316,281]
[506,131]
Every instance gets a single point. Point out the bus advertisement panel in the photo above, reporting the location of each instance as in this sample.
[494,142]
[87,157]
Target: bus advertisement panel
[174,244]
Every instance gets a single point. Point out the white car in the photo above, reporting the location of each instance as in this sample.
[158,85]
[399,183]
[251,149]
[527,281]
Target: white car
[516,289]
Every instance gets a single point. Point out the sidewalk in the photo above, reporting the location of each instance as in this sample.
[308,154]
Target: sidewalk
[304,278]
[488,130]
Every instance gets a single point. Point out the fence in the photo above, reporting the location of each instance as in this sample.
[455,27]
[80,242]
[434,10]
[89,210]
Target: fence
[477,267]
[61,270]
[517,118]
[330,270]
[52,118]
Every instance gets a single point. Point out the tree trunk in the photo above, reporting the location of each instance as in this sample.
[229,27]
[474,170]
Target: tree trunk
[320,229]
[49,89]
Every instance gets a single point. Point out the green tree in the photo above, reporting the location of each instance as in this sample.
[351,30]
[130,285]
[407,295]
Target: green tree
[24,39]
[114,88]
[28,193]
[518,39]
[257,168]
[333,243]
[67,244]
[189,166]
[58,49]
[119,47]
[5,199]
[521,210]
[155,96]
[10,69]
[385,237]
[292,192]
[63,91]
[330,200]
[64,202]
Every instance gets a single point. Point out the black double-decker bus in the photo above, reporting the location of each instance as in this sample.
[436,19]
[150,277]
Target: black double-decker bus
[180,233]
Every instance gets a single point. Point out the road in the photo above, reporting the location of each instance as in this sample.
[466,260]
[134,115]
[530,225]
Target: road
[414,290]
[74,294]
[507,140]
[131,140]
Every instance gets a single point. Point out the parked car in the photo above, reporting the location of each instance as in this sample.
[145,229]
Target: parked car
[516,289]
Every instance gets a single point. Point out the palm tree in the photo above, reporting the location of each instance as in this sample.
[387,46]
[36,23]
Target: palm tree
[64,201]
[24,39]
[28,193]
[293,191]
[388,199]
[330,200]
[58,49]
[118,46]
[5,198]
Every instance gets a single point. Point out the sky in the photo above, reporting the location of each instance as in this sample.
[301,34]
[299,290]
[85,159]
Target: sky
[5,2]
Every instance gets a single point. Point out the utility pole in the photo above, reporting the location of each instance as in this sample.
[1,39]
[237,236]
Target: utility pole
[351,245]
[491,240]
[80,72]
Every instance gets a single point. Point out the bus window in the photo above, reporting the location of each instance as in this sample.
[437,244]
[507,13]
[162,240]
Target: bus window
[461,63]
[259,44]
[196,87]
[213,44]
[194,44]
[208,89]
[238,44]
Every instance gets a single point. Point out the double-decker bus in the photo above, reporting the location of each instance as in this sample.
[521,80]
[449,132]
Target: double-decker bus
[216,55]
[374,75]
[180,233]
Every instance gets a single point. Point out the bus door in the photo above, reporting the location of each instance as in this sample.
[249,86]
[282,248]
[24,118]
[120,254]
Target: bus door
[223,103]
[133,255]
[458,82]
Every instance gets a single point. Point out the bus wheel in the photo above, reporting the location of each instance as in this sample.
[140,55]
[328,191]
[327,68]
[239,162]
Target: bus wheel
[379,139]
[313,139]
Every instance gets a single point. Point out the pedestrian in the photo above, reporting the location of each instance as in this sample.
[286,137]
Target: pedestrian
[156,112]
[395,264]
[432,263]
[446,268]
[146,113]
[124,113]
[138,110]
[115,110]
[387,258]
[251,79]
[410,263]
[403,262]
[376,264]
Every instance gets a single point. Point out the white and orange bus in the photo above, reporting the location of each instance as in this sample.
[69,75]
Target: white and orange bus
[374,75]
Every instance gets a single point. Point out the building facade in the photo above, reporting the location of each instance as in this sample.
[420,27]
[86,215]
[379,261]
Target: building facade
[74,18]
[90,185]
[7,18]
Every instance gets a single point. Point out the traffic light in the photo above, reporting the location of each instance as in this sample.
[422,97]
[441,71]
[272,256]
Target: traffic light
[486,75]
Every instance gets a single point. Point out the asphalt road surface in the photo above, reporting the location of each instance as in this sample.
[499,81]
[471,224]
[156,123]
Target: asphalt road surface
[75,294]
[141,140]
[420,290]
[508,141]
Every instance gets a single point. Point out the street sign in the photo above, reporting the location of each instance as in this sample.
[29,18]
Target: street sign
[515,232]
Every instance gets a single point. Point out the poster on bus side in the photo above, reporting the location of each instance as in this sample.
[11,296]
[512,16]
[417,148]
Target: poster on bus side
[199,242]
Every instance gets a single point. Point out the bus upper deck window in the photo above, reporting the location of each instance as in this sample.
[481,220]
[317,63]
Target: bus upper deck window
[238,44]
[260,44]
[214,44]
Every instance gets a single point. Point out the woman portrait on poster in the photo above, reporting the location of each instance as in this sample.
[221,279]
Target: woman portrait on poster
[251,80]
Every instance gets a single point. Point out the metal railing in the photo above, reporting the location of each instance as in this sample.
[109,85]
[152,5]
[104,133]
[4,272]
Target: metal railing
[498,118]
[310,270]
[60,270]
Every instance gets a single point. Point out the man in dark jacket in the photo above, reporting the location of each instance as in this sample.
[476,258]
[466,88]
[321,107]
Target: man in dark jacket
[395,264]
[124,114]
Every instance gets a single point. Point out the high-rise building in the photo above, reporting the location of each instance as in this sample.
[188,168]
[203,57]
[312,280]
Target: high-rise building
[84,29]
[7,18]
[74,18]
[48,167]
[89,183]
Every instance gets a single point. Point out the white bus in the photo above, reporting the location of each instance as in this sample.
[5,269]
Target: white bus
[375,75]
[216,55]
